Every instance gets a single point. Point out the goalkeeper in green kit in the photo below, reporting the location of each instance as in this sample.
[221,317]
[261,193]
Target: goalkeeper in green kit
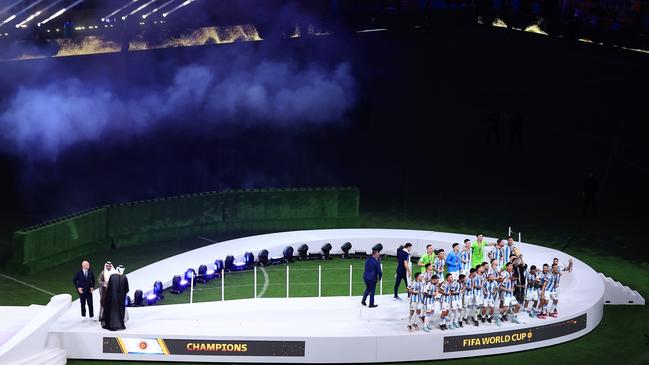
[477,248]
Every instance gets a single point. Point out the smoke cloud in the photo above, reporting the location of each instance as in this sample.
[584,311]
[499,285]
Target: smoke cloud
[41,122]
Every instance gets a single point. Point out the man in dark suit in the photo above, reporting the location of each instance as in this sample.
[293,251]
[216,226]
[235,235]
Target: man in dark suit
[84,283]
[371,275]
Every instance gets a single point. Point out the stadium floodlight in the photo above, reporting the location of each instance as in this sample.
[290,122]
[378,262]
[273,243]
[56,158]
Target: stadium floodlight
[345,248]
[176,287]
[118,10]
[58,13]
[262,256]
[157,8]
[203,276]
[248,260]
[303,251]
[127,301]
[141,7]
[21,12]
[188,276]
[158,289]
[185,3]
[156,295]
[151,299]
[218,267]
[326,248]
[138,301]
[229,263]
[288,254]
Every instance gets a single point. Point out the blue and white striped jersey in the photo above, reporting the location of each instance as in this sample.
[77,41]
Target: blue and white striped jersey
[465,255]
[490,290]
[468,286]
[417,288]
[507,285]
[545,278]
[505,275]
[507,251]
[446,291]
[438,267]
[456,288]
[531,280]
[478,281]
[425,291]
[498,254]
[495,272]
[553,282]
[426,276]
[431,289]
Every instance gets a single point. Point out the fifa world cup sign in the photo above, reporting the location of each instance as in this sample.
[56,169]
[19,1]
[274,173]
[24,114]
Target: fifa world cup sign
[514,337]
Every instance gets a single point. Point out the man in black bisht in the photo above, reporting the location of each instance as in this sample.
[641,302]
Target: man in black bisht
[115,301]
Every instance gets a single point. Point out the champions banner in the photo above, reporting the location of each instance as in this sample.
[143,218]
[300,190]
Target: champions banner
[159,346]
[514,337]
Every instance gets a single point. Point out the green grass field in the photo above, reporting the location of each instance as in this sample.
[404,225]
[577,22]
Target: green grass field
[622,336]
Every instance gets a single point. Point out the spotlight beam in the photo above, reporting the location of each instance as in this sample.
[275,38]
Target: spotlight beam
[118,10]
[31,17]
[156,9]
[8,20]
[10,6]
[141,7]
[58,13]
[20,12]
[185,3]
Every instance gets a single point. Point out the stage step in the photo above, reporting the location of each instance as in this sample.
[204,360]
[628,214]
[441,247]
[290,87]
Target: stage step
[617,294]
[49,356]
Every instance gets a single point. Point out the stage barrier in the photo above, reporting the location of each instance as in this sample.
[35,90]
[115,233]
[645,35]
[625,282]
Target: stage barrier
[182,217]
[276,281]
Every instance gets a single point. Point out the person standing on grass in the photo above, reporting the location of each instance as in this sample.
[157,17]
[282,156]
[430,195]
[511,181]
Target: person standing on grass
[426,258]
[403,268]
[84,283]
[371,275]
[477,256]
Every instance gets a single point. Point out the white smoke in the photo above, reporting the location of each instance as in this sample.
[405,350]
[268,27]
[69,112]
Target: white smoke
[41,122]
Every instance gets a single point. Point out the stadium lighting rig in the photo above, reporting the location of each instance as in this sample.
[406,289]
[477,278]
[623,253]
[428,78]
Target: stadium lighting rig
[60,12]
[31,17]
[14,16]
[118,10]
[185,3]
[144,16]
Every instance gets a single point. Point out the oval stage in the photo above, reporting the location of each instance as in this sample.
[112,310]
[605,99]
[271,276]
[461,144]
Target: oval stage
[322,329]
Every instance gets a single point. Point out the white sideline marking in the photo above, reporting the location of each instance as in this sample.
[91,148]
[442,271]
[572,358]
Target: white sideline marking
[27,284]
[266,281]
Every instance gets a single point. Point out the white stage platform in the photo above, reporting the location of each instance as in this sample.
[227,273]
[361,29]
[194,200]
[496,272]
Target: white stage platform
[318,330]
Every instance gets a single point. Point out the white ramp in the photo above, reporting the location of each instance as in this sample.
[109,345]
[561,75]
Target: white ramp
[617,294]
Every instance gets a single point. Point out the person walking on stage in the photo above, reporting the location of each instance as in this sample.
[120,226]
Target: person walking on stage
[115,301]
[403,268]
[84,283]
[371,275]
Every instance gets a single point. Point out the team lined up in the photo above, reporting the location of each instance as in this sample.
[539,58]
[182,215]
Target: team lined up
[460,288]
